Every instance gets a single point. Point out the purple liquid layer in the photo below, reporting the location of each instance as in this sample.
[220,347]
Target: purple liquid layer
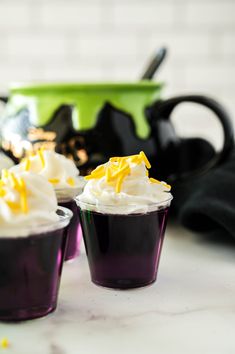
[74,231]
[30,271]
[123,250]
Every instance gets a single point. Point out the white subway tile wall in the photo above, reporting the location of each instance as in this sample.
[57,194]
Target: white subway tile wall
[92,40]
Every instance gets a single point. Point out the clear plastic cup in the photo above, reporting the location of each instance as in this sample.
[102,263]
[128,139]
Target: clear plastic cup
[65,198]
[123,250]
[30,269]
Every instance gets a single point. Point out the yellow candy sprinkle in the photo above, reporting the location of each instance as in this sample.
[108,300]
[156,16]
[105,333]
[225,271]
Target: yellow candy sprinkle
[114,159]
[41,156]
[71,181]
[135,159]
[54,180]
[27,164]
[18,184]
[22,184]
[119,184]
[13,205]
[2,193]
[24,204]
[122,163]
[4,343]
[166,185]
[118,169]
[146,161]
[13,180]
[4,173]
[89,177]
[153,180]
[23,196]
[108,174]
[99,172]
[123,171]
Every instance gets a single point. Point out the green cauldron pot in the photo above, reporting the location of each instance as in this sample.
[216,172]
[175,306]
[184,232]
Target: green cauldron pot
[89,122]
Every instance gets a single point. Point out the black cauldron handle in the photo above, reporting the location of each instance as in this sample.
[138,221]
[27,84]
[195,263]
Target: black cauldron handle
[162,111]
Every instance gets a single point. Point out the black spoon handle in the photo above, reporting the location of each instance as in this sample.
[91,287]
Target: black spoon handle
[4,99]
[154,64]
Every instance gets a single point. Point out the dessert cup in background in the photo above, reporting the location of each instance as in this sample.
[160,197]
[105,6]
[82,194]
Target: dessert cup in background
[32,246]
[30,269]
[123,217]
[63,174]
[65,198]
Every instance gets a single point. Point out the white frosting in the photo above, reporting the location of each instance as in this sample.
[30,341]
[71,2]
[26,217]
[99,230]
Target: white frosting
[5,162]
[42,206]
[55,167]
[138,194]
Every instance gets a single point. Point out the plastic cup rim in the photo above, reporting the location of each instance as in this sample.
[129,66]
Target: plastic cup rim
[34,230]
[95,207]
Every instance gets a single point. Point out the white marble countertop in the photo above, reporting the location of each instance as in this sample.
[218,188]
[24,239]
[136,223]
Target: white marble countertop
[190,309]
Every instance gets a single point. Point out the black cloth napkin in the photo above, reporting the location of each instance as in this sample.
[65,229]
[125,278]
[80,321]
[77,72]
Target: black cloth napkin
[206,203]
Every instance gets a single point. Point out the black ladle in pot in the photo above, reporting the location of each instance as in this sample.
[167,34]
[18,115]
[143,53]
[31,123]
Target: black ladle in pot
[154,64]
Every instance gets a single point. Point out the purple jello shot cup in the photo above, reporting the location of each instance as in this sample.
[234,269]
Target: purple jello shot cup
[123,250]
[30,269]
[65,198]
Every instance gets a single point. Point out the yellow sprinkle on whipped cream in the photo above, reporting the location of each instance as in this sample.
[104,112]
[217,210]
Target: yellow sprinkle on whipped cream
[153,180]
[54,180]
[119,168]
[4,343]
[27,164]
[71,181]
[18,185]
[41,156]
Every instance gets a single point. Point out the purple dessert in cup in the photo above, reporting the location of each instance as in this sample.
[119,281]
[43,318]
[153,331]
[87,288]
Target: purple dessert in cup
[32,246]
[65,198]
[123,217]
[63,174]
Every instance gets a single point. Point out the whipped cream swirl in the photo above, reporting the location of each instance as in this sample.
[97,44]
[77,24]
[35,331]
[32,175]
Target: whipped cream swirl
[60,171]
[5,162]
[27,201]
[136,193]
